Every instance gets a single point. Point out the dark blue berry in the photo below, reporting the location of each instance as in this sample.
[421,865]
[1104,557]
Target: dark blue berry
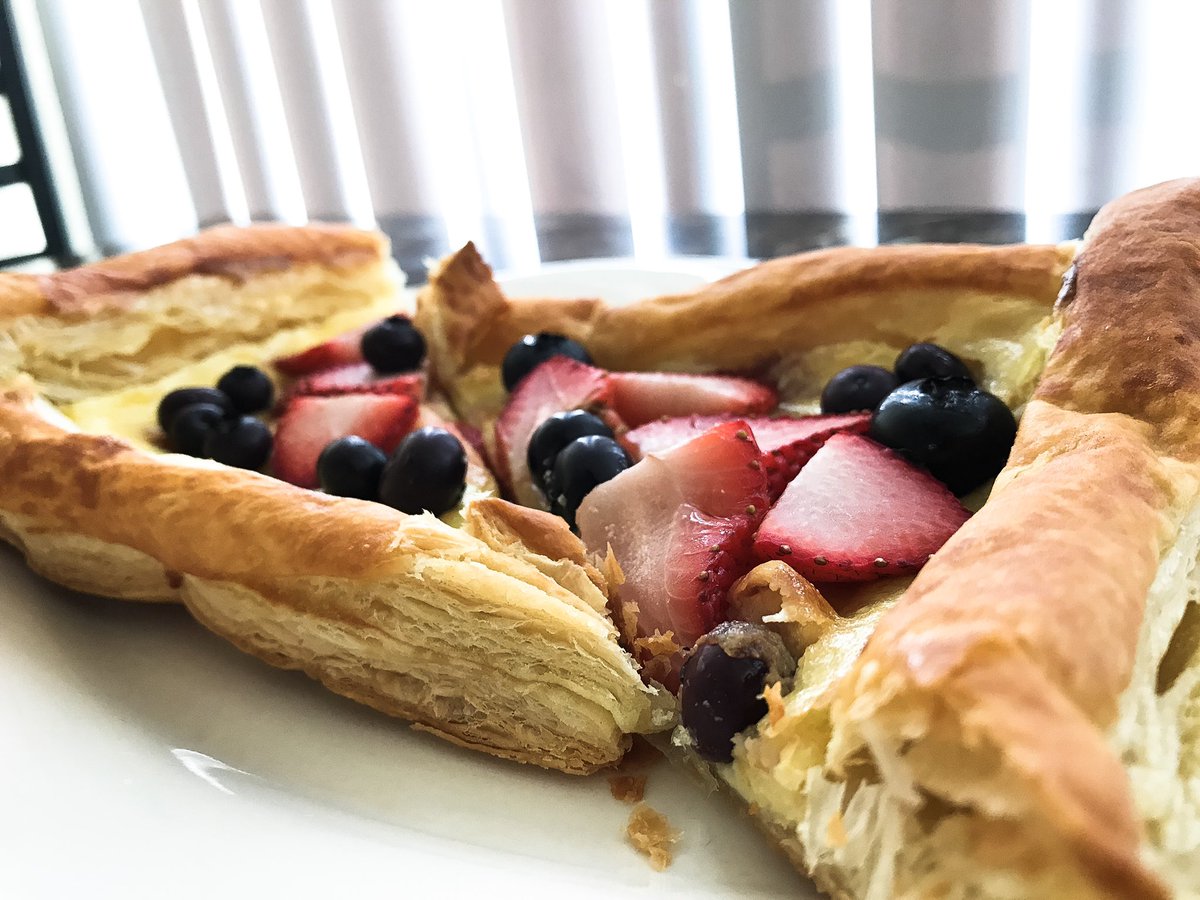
[248,389]
[191,426]
[172,403]
[582,465]
[394,345]
[534,349]
[857,388]
[929,361]
[427,471]
[961,434]
[555,433]
[244,443]
[351,467]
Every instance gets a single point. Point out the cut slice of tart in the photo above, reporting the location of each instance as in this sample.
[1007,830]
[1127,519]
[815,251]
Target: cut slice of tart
[1019,720]
[486,626]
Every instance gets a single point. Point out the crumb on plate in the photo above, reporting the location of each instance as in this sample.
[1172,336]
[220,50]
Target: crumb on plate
[650,833]
[627,788]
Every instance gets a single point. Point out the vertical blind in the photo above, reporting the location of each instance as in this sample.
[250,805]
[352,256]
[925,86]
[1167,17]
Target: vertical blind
[548,129]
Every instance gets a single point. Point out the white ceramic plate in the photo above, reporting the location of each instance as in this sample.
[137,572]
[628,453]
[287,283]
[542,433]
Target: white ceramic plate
[141,756]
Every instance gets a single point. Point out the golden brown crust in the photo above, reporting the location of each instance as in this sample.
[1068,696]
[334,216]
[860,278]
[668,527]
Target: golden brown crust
[228,252]
[1018,649]
[353,593]
[742,321]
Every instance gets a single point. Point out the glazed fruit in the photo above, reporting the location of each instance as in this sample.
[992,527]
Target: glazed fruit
[248,389]
[928,361]
[641,397]
[351,467]
[359,378]
[393,345]
[191,426]
[244,443]
[856,512]
[534,349]
[557,385]
[426,473]
[172,403]
[339,351]
[309,424]
[680,526]
[557,432]
[786,444]
[857,388]
[582,465]
[958,432]
[722,684]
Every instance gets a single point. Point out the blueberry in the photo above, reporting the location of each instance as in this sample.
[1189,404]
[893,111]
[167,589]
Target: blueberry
[351,467]
[857,388]
[534,349]
[554,434]
[393,345]
[722,683]
[960,433]
[427,471]
[929,361]
[248,389]
[191,426]
[244,443]
[175,401]
[582,465]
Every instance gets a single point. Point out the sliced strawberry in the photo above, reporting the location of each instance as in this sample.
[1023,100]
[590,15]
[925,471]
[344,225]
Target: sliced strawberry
[359,378]
[641,397]
[858,511]
[339,351]
[680,525]
[556,385]
[308,424]
[786,444]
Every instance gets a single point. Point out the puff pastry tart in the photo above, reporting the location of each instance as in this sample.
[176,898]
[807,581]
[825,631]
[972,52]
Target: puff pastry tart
[487,626]
[1020,719]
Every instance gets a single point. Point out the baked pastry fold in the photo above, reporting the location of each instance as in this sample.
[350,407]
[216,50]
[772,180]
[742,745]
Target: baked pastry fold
[1021,721]
[494,635]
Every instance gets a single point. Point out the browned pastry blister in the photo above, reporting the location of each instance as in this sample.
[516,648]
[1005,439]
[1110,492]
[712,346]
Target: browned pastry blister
[494,634]
[1024,719]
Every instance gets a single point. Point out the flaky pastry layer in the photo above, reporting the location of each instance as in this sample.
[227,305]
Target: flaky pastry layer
[494,635]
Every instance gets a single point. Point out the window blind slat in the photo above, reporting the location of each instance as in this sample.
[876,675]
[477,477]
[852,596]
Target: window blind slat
[237,44]
[214,195]
[951,93]
[132,182]
[316,104]
[562,63]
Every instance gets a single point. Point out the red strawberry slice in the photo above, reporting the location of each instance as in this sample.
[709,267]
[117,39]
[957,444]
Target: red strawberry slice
[786,444]
[858,511]
[680,525]
[308,424]
[557,385]
[359,378]
[339,351]
[641,397]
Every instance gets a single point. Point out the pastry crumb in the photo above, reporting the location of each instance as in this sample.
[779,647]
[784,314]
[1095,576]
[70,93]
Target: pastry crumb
[651,834]
[657,644]
[775,708]
[627,788]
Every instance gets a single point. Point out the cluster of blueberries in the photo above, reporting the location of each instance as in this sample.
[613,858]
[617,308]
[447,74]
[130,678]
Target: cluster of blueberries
[571,452]
[929,409]
[220,423]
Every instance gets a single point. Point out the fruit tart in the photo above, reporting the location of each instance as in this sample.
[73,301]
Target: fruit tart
[241,422]
[935,654]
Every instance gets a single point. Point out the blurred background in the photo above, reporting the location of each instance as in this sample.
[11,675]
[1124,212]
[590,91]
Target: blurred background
[552,129]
